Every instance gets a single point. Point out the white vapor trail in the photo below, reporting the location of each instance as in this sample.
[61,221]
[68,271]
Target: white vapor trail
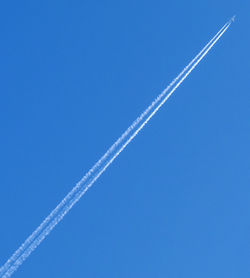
[100,161]
[34,240]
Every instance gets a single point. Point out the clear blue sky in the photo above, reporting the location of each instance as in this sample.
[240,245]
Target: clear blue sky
[74,75]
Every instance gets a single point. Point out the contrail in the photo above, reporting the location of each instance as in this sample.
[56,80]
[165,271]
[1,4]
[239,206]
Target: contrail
[96,171]
[103,158]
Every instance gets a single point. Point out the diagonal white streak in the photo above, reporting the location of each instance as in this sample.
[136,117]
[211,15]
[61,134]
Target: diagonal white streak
[101,160]
[79,190]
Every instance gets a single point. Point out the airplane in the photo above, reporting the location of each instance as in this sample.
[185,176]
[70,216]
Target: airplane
[233,18]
